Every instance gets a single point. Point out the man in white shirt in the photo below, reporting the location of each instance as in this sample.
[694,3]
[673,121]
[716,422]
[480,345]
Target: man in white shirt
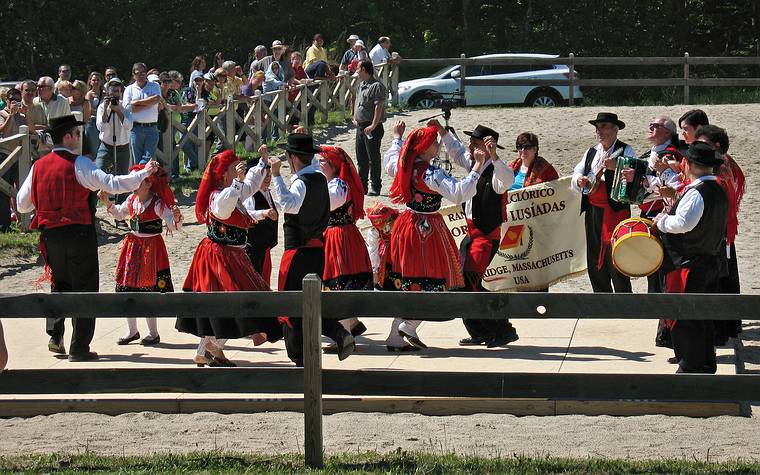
[693,235]
[141,99]
[593,177]
[58,188]
[115,125]
[381,52]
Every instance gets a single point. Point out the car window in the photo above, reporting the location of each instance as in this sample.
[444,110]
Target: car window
[441,71]
[511,68]
[479,70]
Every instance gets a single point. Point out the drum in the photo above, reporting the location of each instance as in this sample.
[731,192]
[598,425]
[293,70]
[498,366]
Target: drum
[623,191]
[636,252]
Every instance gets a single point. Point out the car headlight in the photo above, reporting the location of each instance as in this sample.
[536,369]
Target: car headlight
[404,88]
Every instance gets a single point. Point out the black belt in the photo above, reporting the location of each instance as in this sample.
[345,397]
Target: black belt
[145,124]
[364,124]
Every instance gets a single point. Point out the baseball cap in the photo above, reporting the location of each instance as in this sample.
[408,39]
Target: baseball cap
[351,38]
[153,78]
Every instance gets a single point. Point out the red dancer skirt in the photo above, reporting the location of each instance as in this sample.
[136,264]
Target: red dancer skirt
[424,255]
[140,261]
[347,264]
[217,268]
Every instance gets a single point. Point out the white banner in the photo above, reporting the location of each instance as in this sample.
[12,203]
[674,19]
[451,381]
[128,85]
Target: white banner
[542,242]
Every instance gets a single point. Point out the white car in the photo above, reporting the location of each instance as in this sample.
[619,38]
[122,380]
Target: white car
[426,92]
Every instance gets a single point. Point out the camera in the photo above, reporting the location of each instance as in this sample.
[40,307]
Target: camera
[114,101]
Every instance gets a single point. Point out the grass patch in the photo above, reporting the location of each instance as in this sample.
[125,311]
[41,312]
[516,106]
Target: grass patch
[399,462]
[16,242]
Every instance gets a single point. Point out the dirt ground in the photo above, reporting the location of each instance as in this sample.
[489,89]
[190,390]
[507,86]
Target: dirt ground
[564,135]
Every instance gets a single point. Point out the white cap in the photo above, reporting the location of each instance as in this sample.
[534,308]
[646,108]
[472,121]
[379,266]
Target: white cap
[276,43]
[153,78]
[351,38]
[359,42]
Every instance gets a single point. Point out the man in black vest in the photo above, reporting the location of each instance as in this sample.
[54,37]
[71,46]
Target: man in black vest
[593,176]
[484,213]
[693,236]
[262,237]
[306,205]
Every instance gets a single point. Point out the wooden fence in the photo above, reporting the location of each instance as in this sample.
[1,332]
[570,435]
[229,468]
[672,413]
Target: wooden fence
[312,305]
[571,61]
[21,154]
[268,110]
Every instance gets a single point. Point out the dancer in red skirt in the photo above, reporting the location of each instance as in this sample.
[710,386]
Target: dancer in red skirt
[347,264]
[220,262]
[378,240]
[143,263]
[424,256]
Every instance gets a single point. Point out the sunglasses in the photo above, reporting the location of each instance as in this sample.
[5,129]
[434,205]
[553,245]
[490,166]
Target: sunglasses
[523,147]
[654,126]
[42,86]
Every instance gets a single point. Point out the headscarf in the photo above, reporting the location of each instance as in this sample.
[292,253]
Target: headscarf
[338,158]
[381,215]
[417,142]
[159,186]
[212,180]
[274,81]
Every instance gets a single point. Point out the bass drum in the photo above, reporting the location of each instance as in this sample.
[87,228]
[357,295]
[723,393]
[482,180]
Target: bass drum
[636,252]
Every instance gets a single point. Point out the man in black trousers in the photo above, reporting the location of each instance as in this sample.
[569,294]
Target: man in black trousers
[58,188]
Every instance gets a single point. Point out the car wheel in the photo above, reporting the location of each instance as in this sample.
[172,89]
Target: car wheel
[543,98]
[425,100]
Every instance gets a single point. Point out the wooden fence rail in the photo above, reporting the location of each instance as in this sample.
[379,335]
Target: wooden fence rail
[312,305]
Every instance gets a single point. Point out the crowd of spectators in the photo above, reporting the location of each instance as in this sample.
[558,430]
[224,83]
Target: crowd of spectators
[124,113]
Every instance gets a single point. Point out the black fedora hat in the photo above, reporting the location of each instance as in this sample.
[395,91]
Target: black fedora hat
[63,122]
[301,144]
[481,132]
[704,154]
[608,117]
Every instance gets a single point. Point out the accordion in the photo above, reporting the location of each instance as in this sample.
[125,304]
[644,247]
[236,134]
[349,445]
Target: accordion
[629,192]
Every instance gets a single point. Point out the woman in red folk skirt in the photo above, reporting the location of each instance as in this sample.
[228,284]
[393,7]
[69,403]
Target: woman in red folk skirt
[347,264]
[220,262]
[424,256]
[143,263]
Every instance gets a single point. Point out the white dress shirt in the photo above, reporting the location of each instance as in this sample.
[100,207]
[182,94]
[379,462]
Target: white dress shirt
[133,92]
[688,211]
[338,191]
[502,179]
[291,198]
[379,55]
[224,202]
[597,163]
[259,214]
[372,238]
[87,175]
[120,212]
[456,191]
[665,178]
[122,128]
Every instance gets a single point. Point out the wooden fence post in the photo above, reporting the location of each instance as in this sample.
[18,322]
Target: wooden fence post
[304,106]
[462,76]
[312,370]
[200,131]
[571,78]
[394,84]
[342,96]
[282,108]
[324,93]
[24,165]
[167,141]
[686,78]
[229,123]
[258,117]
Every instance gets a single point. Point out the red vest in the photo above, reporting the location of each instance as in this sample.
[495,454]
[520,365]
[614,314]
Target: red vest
[56,194]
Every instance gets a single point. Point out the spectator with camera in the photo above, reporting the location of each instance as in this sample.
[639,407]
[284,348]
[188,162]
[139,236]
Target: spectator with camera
[141,98]
[115,125]
[53,104]
[94,95]
[11,118]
